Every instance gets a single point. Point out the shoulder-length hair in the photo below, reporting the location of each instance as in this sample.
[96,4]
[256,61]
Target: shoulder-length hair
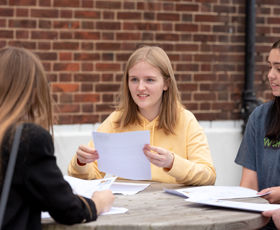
[273,122]
[168,114]
[24,90]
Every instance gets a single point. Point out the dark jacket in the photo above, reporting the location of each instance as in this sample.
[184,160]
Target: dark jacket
[38,184]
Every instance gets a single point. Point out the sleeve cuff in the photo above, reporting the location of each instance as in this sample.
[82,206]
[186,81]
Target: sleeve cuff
[178,164]
[80,168]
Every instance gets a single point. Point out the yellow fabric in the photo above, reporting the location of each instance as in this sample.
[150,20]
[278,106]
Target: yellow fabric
[192,159]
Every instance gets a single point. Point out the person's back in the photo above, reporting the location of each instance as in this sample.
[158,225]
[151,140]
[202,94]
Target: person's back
[37,183]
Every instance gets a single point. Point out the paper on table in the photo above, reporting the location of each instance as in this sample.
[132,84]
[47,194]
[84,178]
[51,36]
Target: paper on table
[127,188]
[214,192]
[121,154]
[113,210]
[87,187]
[45,215]
[237,205]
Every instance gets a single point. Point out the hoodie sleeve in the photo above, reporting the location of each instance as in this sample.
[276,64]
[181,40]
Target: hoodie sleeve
[197,168]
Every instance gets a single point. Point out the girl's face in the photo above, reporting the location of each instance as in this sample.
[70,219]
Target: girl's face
[274,71]
[146,85]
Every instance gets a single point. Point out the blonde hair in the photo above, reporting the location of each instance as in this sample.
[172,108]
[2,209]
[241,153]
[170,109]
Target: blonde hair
[168,115]
[24,90]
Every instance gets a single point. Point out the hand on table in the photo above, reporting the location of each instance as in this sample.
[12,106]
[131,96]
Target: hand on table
[275,214]
[86,154]
[103,200]
[274,194]
[159,156]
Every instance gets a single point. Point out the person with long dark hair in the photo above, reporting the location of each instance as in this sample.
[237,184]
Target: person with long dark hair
[37,183]
[259,152]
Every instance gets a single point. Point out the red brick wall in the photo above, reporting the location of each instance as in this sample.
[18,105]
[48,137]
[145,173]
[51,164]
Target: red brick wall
[84,45]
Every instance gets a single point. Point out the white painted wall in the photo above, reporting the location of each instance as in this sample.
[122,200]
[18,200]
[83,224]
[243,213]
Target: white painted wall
[67,139]
[224,138]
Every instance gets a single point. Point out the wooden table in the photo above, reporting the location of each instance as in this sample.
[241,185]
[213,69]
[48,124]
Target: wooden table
[154,209]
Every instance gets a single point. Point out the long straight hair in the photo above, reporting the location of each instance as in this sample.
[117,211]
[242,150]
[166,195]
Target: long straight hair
[171,101]
[24,90]
[273,122]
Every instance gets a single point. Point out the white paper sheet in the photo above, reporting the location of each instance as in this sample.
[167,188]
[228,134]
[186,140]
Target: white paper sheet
[113,210]
[87,187]
[127,188]
[237,205]
[214,192]
[121,154]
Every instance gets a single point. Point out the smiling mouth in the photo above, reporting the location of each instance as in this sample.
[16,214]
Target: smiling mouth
[142,95]
[274,85]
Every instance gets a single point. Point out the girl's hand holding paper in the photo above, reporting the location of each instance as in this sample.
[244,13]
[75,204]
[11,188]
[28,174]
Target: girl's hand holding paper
[159,156]
[86,154]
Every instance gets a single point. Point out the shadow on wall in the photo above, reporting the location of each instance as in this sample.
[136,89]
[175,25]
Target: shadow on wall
[224,138]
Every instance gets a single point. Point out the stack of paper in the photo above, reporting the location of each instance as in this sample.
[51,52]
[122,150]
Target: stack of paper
[127,188]
[237,205]
[87,187]
[213,192]
[216,195]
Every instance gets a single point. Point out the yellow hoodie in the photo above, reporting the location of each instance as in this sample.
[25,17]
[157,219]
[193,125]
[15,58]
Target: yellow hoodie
[192,159]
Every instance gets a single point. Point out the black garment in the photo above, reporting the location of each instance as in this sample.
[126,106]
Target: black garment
[269,226]
[38,184]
